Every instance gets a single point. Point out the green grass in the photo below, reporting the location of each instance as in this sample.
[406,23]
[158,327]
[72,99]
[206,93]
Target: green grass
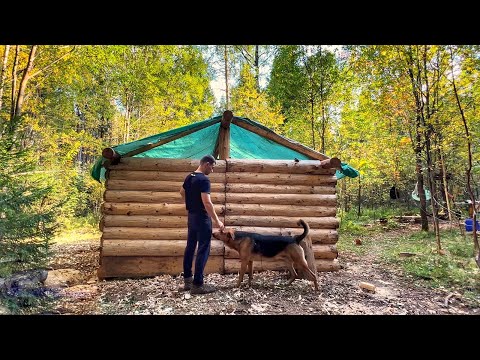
[455,270]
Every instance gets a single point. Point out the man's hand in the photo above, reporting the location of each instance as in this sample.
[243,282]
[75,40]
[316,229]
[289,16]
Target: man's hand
[220,225]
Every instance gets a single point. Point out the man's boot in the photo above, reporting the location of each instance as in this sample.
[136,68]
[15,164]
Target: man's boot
[202,289]
[187,284]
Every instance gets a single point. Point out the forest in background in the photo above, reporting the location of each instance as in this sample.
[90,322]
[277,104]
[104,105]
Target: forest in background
[405,116]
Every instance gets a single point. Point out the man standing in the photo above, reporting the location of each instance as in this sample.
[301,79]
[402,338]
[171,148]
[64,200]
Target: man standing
[195,192]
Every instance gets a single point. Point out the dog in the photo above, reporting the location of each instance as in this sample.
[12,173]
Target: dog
[252,246]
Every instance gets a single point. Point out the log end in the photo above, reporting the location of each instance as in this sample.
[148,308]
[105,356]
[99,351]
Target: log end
[226,119]
[334,163]
[112,155]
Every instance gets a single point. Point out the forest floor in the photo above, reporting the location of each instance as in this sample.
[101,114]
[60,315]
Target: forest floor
[340,293]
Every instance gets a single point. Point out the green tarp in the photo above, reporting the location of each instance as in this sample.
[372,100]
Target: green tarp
[244,144]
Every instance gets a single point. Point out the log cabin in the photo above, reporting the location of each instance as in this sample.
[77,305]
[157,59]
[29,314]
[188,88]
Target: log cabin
[262,182]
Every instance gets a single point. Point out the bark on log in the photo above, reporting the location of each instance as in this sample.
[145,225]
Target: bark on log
[153,247]
[120,196]
[149,209]
[223,141]
[164,165]
[332,163]
[279,210]
[325,251]
[142,266]
[145,221]
[305,167]
[154,185]
[233,265]
[133,233]
[278,189]
[285,199]
[279,221]
[152,175]
[279,179]
[110,154]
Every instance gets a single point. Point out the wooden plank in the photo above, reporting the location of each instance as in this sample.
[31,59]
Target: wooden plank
[153,247]
[279,179]
[144,266]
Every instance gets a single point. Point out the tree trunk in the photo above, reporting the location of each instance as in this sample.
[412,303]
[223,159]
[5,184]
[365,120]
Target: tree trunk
[24,81]
[14,87]
[257,68]
[227,98]
[3,74]
[469,169]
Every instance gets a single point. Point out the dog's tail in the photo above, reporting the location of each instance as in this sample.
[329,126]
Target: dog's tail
[306,229]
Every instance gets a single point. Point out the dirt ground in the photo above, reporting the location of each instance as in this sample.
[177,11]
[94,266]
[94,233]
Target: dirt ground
[339,292]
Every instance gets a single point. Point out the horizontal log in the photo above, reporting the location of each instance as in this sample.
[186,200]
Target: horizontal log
[142,266]
[133,233]
[233,265]
[279,210]
[279,221]
[149,209]
[153,175]
[321,236]
[153,247]
[154,185]
[159,164]
[279,166]
[320,251]
[325,251]
[279,179]
[329,200]
[173,197]
[278,189]
[145,221]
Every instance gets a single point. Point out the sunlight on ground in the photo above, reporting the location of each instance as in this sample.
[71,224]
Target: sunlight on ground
[76,235]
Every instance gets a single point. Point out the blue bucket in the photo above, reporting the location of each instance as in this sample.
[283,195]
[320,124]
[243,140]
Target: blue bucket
[469,225]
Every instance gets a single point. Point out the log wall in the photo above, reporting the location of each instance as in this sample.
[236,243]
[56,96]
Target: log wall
[144,223]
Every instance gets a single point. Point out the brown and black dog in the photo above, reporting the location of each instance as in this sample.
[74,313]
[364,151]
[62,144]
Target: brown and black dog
[252,246]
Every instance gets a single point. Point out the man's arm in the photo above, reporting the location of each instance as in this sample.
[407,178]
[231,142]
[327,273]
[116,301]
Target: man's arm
[207,201]
[182,192]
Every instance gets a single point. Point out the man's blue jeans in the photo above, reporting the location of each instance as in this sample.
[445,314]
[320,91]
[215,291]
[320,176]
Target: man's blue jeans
[199,230]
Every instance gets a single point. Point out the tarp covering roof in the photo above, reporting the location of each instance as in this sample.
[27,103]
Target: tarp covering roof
[200,139]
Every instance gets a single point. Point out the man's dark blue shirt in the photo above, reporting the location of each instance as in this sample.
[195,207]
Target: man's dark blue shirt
[195,183]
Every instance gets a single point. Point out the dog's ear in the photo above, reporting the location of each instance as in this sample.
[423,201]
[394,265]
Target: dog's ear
[231,234]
